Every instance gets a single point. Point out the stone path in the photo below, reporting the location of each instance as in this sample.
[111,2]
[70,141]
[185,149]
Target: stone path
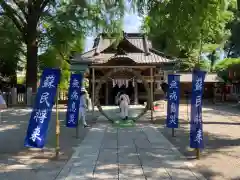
[137,153]
[20,163]
[114,113]
[220,158]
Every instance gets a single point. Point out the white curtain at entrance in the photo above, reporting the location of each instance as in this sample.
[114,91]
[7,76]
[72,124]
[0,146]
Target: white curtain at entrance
[127,81]
[120,82]
[113,83]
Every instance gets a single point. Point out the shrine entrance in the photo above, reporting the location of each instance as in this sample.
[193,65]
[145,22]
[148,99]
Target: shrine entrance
[130,64]
[124,79]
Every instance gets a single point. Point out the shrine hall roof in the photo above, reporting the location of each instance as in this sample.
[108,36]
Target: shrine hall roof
[136,46]
[209,78]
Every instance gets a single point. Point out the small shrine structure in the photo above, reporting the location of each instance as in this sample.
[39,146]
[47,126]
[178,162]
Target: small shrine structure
[132,65]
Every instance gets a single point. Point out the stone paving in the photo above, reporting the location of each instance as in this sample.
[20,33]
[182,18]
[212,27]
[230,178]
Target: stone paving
[137,153]
[114,112]
[220,159]
[143,152]
[20,163]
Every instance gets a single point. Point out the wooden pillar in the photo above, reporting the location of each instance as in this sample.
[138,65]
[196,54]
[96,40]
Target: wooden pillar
[214,92]
[93,89]
[151,89]
[106,93]
[135,92]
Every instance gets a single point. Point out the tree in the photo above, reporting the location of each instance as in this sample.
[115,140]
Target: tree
[225,66]
[183,28]
[59,39]
[28,16]
[11,50]
[232,47]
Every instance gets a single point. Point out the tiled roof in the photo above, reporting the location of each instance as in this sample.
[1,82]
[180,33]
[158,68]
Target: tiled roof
[104,43]
[137,57]
[137,40]
[210,77]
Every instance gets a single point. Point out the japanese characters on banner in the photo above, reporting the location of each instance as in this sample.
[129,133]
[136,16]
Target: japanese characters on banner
[73,100]
[196,130]
[173,100]
[41,114]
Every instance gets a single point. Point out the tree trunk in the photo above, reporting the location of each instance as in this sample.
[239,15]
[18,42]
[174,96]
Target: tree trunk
[13,80]
[32,52]
[31,74]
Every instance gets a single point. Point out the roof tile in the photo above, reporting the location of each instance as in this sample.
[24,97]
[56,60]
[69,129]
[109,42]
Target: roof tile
[137,57]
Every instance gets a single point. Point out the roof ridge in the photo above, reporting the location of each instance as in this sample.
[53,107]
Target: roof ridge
[162,53]
[124,38]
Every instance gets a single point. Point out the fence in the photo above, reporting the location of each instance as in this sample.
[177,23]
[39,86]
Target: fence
[14,98]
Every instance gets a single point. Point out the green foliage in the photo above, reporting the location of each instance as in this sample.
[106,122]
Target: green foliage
[21,80]
[232,47]
[182,28]
[227,63]
[11,49]
[65,30]
[223,67]
[59,27]
[188,64]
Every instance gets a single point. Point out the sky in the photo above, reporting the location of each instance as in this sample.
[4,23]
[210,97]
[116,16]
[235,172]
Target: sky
[132,23]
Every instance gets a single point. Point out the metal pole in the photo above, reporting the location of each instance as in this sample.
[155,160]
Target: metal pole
[57,127]
[151,84]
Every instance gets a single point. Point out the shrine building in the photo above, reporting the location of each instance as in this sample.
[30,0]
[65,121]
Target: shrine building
[135,51]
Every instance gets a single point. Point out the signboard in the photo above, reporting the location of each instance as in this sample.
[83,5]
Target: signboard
[173,96]
[73,100]
[41,114]
[196,130]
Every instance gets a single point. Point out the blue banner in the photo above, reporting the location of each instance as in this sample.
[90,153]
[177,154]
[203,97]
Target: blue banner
[73,100]
[173,96]
[196,130]
[41,114]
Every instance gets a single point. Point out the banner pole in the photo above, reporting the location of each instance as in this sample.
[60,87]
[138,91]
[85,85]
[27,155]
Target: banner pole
[77,129]
[151,94]
[198,153]
[57,127]
[173,132]
[187,110]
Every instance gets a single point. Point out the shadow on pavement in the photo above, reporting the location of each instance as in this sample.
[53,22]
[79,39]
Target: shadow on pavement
[220,157]
[19,162]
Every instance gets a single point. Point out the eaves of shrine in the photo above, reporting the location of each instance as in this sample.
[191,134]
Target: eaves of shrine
[133,50]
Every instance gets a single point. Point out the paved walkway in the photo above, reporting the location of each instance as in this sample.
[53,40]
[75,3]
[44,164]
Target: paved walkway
[137,153]
[220,159]
[20,163]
